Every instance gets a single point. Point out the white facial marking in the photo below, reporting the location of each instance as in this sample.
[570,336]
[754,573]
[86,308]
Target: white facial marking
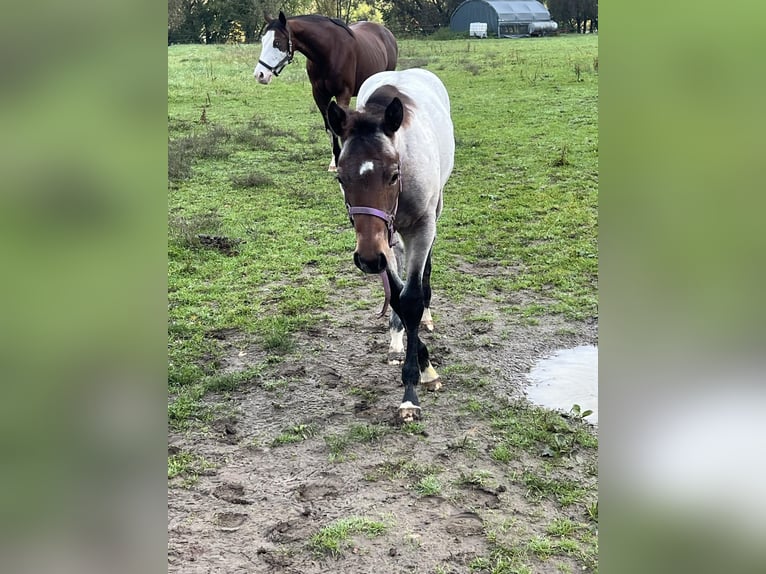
[269,54]
[365,167]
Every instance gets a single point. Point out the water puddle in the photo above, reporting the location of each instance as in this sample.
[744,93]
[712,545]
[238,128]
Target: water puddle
[569,377]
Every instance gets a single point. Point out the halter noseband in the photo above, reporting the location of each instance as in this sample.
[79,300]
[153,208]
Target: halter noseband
[388,217]
[277,68]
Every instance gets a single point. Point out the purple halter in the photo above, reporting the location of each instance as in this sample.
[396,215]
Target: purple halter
[389,219]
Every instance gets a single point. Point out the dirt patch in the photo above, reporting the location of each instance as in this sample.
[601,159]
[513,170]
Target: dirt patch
[268,495]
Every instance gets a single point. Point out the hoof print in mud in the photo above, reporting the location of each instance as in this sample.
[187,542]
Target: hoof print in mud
[229,521]
[234,493]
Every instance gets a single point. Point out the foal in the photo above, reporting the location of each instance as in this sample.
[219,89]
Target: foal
[397,153]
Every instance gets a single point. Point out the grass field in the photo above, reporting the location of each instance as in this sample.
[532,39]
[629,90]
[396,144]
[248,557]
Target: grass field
[260,247]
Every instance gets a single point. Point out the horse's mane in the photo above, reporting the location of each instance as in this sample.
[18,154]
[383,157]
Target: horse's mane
[319,18]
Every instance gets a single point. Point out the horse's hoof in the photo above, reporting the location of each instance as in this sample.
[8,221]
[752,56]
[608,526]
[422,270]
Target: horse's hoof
[434,385]
[408,412]
[428,325]
[395,358]
[332,168]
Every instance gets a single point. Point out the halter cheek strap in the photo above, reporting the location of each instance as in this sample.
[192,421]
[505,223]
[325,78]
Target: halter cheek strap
[277,68]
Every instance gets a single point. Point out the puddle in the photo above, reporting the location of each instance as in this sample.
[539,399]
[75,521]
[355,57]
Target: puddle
[569,377]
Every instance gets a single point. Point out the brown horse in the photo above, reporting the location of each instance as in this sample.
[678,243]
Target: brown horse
[339,57]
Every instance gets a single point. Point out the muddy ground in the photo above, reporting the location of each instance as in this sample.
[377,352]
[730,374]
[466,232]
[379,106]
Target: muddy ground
[257,508]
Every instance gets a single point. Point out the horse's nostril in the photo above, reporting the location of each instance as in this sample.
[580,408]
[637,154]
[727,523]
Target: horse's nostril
[375,265]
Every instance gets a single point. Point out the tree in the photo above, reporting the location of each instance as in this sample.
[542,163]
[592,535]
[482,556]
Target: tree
[574,15]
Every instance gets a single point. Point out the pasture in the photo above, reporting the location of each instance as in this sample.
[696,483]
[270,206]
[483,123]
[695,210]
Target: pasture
[284,451]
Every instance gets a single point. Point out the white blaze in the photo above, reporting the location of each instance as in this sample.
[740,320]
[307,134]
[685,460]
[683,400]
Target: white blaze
[269,54]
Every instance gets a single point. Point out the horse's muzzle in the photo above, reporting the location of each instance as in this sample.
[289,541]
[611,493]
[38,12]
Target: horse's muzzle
[263,77]
[376,265]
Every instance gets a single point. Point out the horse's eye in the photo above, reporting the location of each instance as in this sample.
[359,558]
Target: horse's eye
[395,178]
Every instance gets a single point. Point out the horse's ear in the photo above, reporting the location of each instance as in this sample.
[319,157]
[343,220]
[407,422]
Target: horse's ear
[336,118]
[282,18]
[393,117]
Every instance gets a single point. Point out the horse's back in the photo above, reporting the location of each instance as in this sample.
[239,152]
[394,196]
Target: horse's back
[376,50]
[431,99]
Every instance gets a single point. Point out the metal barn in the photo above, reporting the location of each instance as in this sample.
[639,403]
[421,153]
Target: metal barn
[504,18]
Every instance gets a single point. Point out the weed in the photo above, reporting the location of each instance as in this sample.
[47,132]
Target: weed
[185,231]
[565,491]
[296,433]
[251,180]
[332,539]
[592,510]
[187,464]
[502,453]
[561,527]
[355,434]
[480,478]
[414,428]
[428,486]
[563,158]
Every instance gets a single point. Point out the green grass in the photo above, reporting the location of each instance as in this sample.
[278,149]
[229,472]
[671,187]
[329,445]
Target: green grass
[539,431]
[187,465]
[333,539]
[356,433]
[294,434]
[429,485]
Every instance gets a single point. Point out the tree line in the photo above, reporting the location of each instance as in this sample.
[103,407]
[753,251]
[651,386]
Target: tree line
[225,21]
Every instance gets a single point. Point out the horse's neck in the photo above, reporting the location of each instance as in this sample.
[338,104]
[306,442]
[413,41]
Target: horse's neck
[307,44]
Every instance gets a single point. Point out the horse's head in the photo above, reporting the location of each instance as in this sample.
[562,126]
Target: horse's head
[276,50]
[369,176]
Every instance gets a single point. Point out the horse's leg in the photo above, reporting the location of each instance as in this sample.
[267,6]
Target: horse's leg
[322,100]
[407,301]
[427,321]
[395,325]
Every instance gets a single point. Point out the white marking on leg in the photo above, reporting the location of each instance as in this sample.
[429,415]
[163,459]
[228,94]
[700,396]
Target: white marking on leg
[427,320]
[365,167]
[397,341]
[430,379]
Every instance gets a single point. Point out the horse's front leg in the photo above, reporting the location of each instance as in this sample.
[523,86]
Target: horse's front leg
[407,301]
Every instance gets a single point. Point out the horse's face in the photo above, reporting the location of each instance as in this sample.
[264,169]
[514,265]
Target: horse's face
[276,50]
[368,173]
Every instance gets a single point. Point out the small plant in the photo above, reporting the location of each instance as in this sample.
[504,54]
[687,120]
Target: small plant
[563,158]
[297,433]
[561,527]
[480,478]
[332,539]
[502,453]
[188,465]
[578,71]
[592,510]
[251,180]
[414,428]
[578,414]
[428,486]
